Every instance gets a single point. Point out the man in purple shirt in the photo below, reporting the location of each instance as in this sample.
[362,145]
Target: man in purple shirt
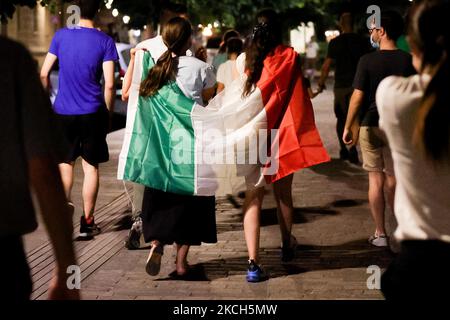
[84,55]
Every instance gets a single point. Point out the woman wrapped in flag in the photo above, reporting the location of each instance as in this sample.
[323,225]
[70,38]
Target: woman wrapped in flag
[273,72]
[258,131]
[169,88]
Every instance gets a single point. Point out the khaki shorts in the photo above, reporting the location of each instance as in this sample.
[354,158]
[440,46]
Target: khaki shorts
[375,151]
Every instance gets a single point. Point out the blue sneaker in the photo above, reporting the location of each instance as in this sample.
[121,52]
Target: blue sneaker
[255,273]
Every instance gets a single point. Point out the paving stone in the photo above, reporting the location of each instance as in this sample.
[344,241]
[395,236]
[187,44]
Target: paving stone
[332,224]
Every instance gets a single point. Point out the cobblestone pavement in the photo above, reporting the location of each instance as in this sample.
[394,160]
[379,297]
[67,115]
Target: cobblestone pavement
[332,224]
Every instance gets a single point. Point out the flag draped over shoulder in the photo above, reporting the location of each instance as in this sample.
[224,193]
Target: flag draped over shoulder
[176,145]
[289,109]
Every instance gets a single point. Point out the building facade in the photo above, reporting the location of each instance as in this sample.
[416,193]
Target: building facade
[34,28]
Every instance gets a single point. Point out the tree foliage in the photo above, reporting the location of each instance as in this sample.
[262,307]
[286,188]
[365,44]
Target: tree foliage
[239,14]
[8,7]
[142,12]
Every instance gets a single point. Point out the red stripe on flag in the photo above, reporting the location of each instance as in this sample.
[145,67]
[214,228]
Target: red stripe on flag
[289,109]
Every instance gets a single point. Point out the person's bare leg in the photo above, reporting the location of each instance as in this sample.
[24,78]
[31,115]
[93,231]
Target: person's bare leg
[181,262]
[66,170]
[285,207]
[138,198]
[252,212]
[390,184]
[90,188]
[376,200]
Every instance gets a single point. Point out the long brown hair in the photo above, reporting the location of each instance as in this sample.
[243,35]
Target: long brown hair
[176,34]
[429,34]
[266,37]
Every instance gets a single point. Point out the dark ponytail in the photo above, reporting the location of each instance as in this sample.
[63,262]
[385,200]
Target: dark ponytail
[429,34]
[266,37]
[176,34]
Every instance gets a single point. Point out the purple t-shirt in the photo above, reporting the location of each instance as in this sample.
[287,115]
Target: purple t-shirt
[81,53]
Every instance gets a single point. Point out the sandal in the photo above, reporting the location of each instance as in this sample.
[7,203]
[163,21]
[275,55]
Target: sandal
[153,265]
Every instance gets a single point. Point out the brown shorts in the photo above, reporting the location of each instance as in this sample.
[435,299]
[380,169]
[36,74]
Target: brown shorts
[375,151]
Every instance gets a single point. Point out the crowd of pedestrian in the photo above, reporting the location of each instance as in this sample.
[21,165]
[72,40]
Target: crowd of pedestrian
[395,104]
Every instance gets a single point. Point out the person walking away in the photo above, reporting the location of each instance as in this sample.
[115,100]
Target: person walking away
[222,55]
[30,146]
[344,51]
[156,47]
[377,160]
[415,115]
[84,54]
[267,44]
[228,72]
[169,217]
[312,52]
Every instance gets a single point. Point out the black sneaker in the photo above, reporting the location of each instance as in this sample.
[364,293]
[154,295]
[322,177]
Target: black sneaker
[133,241]
[88,230]
[255,273]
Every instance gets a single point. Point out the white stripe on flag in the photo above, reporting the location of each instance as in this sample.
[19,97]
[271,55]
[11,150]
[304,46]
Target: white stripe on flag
[131,112]
[234,118]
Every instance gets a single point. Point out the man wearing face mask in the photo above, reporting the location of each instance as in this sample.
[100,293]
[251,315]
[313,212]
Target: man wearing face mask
[387,60]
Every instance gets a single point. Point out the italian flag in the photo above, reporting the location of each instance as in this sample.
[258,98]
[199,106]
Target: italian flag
[175,145]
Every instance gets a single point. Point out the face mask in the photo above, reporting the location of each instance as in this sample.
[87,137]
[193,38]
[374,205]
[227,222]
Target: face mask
[374,44]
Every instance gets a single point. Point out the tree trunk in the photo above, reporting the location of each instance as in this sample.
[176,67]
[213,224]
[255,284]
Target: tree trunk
[62,16]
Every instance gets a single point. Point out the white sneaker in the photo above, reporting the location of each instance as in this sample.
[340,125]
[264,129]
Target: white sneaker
[379,241]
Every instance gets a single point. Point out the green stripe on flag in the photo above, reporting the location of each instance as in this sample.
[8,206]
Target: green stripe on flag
[159,119]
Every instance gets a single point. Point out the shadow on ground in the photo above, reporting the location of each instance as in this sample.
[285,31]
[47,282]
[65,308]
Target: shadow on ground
[355,254]
[338,170]
[268,217]
[301,215]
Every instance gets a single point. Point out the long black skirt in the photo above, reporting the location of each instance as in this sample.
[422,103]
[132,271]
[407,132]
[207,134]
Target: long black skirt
[185,220]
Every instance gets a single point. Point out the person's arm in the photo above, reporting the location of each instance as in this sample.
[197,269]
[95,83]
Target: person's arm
[46,182]
[128,79]
[220,87]
[351,129]
[312,94]
[208,93]
[220,78]
[49,61]
[324,73]
[110,95]
[43,147]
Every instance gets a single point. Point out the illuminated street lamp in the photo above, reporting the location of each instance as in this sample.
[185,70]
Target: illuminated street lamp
[126,19]
[115,13]
[108,4]
[207,32]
